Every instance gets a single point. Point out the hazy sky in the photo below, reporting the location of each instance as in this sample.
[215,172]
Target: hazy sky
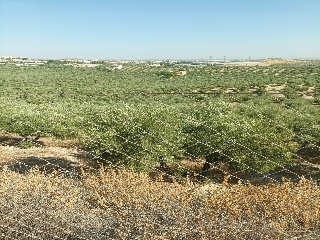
[160,29]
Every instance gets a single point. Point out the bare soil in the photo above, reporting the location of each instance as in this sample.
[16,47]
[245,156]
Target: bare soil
[66,156]
[47,154]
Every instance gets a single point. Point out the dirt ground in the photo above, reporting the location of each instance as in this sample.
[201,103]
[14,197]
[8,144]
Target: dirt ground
[47,154]
[69,158]
[13,147]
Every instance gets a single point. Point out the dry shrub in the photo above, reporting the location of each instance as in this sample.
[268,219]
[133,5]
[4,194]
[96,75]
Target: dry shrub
[122,204]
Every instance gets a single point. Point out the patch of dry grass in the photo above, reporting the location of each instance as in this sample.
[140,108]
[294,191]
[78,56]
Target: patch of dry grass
[122,204]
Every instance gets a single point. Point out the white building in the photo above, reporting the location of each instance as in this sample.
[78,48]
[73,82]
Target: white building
[113,67]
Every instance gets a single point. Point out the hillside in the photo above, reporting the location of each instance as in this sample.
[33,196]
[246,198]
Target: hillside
[271,61]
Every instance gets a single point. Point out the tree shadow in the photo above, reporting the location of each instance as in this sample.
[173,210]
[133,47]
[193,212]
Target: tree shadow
[292,173]
[17,141]
[46,165]
[10,141]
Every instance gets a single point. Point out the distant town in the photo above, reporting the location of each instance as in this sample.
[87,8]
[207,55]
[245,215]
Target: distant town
[117,64]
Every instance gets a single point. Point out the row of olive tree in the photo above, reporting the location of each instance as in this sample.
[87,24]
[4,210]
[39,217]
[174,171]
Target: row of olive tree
[145,136]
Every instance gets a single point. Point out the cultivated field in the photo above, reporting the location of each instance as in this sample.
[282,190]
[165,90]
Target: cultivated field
[221,152]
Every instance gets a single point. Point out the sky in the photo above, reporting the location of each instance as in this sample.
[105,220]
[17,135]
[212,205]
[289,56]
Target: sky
[160,29]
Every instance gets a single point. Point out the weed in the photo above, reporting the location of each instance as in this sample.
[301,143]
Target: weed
[122,204]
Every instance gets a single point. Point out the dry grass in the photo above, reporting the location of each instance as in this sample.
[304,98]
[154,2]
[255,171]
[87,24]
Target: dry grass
[121,204]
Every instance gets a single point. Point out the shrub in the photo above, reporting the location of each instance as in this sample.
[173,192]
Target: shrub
[242,139]
[142,137]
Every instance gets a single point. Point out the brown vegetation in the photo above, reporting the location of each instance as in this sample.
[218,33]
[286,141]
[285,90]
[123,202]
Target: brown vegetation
[282,61]
[122,204]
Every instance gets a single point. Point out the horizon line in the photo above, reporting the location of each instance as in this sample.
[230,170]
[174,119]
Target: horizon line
[152,59]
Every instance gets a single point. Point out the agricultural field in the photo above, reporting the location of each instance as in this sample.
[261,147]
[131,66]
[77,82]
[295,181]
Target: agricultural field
[142,152]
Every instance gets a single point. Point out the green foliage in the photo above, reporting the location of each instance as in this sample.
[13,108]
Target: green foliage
[244,140]
[26,144]
[122,117]
[138,137]
[167,74]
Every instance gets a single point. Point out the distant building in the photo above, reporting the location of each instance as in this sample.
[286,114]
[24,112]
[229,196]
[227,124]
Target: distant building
[192,64]
[89,65]
[31,63]
[3,61]
[115,66]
